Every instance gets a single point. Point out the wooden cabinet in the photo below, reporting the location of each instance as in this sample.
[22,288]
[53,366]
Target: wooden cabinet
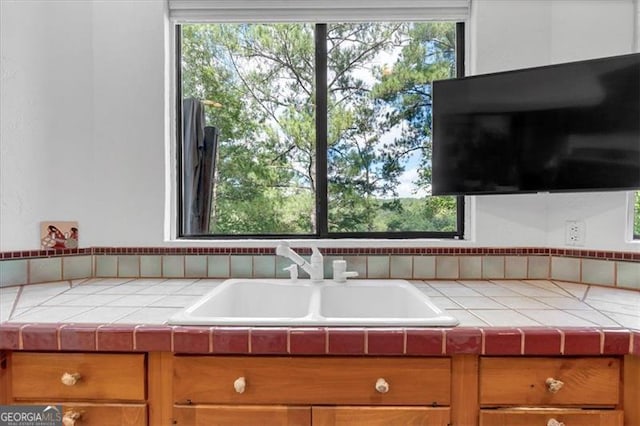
[311,390]
[545,386]
[93,389]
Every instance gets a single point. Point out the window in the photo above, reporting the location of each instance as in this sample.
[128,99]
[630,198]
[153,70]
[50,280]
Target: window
[312,130]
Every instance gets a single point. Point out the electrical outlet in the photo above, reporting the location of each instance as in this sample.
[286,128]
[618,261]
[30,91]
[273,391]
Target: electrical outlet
[574,234]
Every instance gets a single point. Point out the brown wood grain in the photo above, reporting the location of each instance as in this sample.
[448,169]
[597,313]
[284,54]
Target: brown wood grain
[380,416]
[568,417]
[212,415]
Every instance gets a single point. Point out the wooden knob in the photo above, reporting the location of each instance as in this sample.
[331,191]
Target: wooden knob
[240,384]
[382,386]
[70,379]
[554,422]
[554,385]
[70,417]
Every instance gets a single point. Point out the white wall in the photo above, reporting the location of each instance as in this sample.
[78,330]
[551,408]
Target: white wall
[83,123]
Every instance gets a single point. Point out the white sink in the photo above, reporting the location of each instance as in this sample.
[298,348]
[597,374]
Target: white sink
[274,302]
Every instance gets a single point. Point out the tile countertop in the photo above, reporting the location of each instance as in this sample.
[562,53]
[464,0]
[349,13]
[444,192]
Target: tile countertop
[497,317]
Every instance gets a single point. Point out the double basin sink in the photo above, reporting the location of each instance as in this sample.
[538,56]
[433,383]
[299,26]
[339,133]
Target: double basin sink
[280,302]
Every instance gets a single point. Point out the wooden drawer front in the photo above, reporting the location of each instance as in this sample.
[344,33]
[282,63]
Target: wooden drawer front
[102,376]
[380,416]
[218,415]
[568,417]
[518,381]
[106,414]
[312,380]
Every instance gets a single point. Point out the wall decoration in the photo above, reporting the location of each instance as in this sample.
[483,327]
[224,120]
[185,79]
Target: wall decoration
[58,235]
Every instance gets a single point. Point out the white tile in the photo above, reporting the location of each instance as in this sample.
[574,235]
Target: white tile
[564,303]
[458,291]
[547,285]
[480,302]
[196,290]
[557,318]
[135,300]
[33,295]
[607,307]
[121,289]
[50,313]
[628,274]
[442,283]
[598,272]
[105,314]
[595,317]
[565,268]
[148,316]
[110,281]
[495,290]
[628,321]
[444,302]
[527,289]
[466,318]
[575,289]
[520,302]
[91,300]
[174,301]
[161,289]
[61,299]
[505,318]
[624,297]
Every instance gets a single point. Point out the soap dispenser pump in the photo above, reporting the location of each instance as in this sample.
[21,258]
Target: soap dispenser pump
[317,265]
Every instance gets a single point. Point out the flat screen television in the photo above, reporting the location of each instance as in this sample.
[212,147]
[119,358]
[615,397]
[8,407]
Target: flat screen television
[566,127]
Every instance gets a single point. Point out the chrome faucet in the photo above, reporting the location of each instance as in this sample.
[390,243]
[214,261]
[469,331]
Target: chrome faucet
[315,268]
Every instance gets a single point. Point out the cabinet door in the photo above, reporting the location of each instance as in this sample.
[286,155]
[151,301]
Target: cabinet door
[380,416]
[534,417]
[224,415]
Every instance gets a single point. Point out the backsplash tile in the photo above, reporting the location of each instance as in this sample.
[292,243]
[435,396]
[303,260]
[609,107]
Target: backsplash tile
[470,267]
[377,267]
[129,266]
[400,267]
[151,266]
[264,266]
[106,266]
[77,267]
[195,266]
[538,267]
[447,267]
[628,275]
[173,266]
[598,272]
[13,272]
[515,267]
[218,266]
[357,264]
[565,268]
[424,267]
[241,266]
[45,269]
[492,267]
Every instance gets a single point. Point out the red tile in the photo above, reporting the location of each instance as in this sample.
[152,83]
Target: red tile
[463,341]
[581,342]
[385,342]
[635,347]
[616,342]
[40,337]
[424,342]
[10,336]
[78,337]
[268,341]
[230,340]
[542,341]
[308,341]
[113,338]
[152,338]
[346,341]
[191,340]
[502,341]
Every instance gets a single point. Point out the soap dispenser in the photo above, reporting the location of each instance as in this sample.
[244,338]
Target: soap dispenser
[317,265]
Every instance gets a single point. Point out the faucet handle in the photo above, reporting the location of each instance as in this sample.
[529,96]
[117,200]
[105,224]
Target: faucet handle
[293,271]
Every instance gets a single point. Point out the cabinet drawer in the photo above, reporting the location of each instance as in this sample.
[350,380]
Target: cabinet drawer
[220,415]
[533,417]
[86,414]
[523,381]
[380,416]
[38,376]
[297,380]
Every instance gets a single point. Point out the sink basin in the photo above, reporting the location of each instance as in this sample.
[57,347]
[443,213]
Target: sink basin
[273,302]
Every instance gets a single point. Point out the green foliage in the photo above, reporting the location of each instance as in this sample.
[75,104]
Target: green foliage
[262,78]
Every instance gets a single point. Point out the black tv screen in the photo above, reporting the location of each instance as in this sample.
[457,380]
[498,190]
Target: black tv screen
[565,127]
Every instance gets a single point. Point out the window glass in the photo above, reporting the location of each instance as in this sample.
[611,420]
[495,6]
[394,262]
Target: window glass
[249,113]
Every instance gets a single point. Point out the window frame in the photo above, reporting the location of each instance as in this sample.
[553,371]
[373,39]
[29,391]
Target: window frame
[321,118]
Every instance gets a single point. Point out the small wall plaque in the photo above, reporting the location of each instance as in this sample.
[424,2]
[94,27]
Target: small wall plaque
[58,235]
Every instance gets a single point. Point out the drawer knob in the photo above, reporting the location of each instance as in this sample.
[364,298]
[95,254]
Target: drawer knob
[240,384]
[70,417]
[382,386]
[554,422]
[70,379]
[554,385]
